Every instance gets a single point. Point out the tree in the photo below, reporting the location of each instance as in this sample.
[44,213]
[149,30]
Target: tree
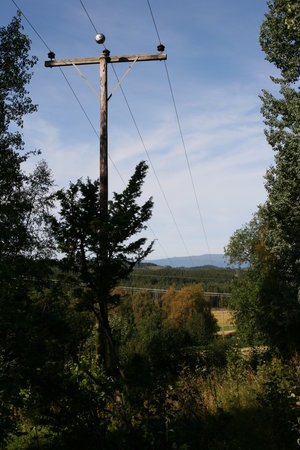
[24,205]
[271,242]
[187,310]
[82,233]
[24,197]
[280,39]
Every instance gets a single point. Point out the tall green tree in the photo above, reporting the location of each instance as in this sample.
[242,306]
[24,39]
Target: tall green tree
[24,205]
[270,243]
[280,40]
[82,231]
[23,197]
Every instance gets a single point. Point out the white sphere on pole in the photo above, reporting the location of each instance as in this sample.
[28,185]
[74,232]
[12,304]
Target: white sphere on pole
[100,38]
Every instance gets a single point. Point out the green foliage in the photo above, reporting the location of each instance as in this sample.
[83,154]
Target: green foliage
[24,206]
[24,198]
[187,310]
[99,246]
[280,37]
[83,234]
[155,337]
[213,279]
[15,74]
[267,297]
[248,311]
[280,399]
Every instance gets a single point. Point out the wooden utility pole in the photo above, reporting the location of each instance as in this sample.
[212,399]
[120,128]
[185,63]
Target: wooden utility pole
[103,60]
[103,138]
[105,346]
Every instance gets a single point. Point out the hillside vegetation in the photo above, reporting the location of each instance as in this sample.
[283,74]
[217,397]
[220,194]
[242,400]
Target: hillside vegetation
[212,279]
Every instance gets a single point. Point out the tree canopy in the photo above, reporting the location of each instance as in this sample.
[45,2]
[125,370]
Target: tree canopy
[271,241]
[100,248]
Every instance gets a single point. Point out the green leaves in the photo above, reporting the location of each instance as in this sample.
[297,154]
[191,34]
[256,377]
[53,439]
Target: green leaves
[82,232]
[100,247]
[280,37]
[266,297]
[15,74]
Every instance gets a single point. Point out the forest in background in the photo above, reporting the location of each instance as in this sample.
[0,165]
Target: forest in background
[212,279]
[85,364]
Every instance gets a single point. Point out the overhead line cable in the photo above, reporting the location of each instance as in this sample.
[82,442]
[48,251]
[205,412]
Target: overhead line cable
[179,277]
[150,161]
[154,171]
[68,83]
[181,133]
[145,149]
[187,159]
[92,23]
[30,24]
[89,120]
[153,19]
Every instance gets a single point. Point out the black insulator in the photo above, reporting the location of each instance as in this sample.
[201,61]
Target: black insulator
[160,48]
[51,55]
[106,52]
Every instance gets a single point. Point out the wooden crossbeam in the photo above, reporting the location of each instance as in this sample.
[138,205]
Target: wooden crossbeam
[109,59]
[103,60]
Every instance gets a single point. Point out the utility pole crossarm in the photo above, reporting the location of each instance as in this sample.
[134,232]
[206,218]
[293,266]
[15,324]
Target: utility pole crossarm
[110,59]
[103,60]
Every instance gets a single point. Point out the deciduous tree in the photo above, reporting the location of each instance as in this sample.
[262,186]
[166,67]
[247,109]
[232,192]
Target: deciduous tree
[271,242]
[24,205]
[189,311]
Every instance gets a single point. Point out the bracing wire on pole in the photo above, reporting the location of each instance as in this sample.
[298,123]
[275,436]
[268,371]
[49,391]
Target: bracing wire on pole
[86,81]
[146,151]
[181,135]
[123,77]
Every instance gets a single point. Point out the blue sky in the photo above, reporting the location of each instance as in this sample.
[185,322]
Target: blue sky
[217,72]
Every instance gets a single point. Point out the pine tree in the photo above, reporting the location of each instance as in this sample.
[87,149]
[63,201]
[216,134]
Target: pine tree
[84,236]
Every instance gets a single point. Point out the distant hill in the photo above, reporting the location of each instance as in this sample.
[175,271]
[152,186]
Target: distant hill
[217,260]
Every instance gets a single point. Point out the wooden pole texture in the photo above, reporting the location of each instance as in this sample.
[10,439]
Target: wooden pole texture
[110,59]
[103,136]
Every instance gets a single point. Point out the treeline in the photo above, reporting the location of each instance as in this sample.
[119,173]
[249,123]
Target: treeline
[212,279]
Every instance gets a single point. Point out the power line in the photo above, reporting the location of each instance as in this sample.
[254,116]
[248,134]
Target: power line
[83,109]
[186,156]
[153,19]
[69,84]
[92,23]
[162,291]
[144,146]
[30,24]
[154,171]
[181,134]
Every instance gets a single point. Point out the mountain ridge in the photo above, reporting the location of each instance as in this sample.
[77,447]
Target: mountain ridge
[217,260]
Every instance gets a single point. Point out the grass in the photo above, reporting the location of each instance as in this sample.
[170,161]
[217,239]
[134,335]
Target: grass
[224,319]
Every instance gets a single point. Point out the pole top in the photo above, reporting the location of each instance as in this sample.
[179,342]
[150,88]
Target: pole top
[106,52]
